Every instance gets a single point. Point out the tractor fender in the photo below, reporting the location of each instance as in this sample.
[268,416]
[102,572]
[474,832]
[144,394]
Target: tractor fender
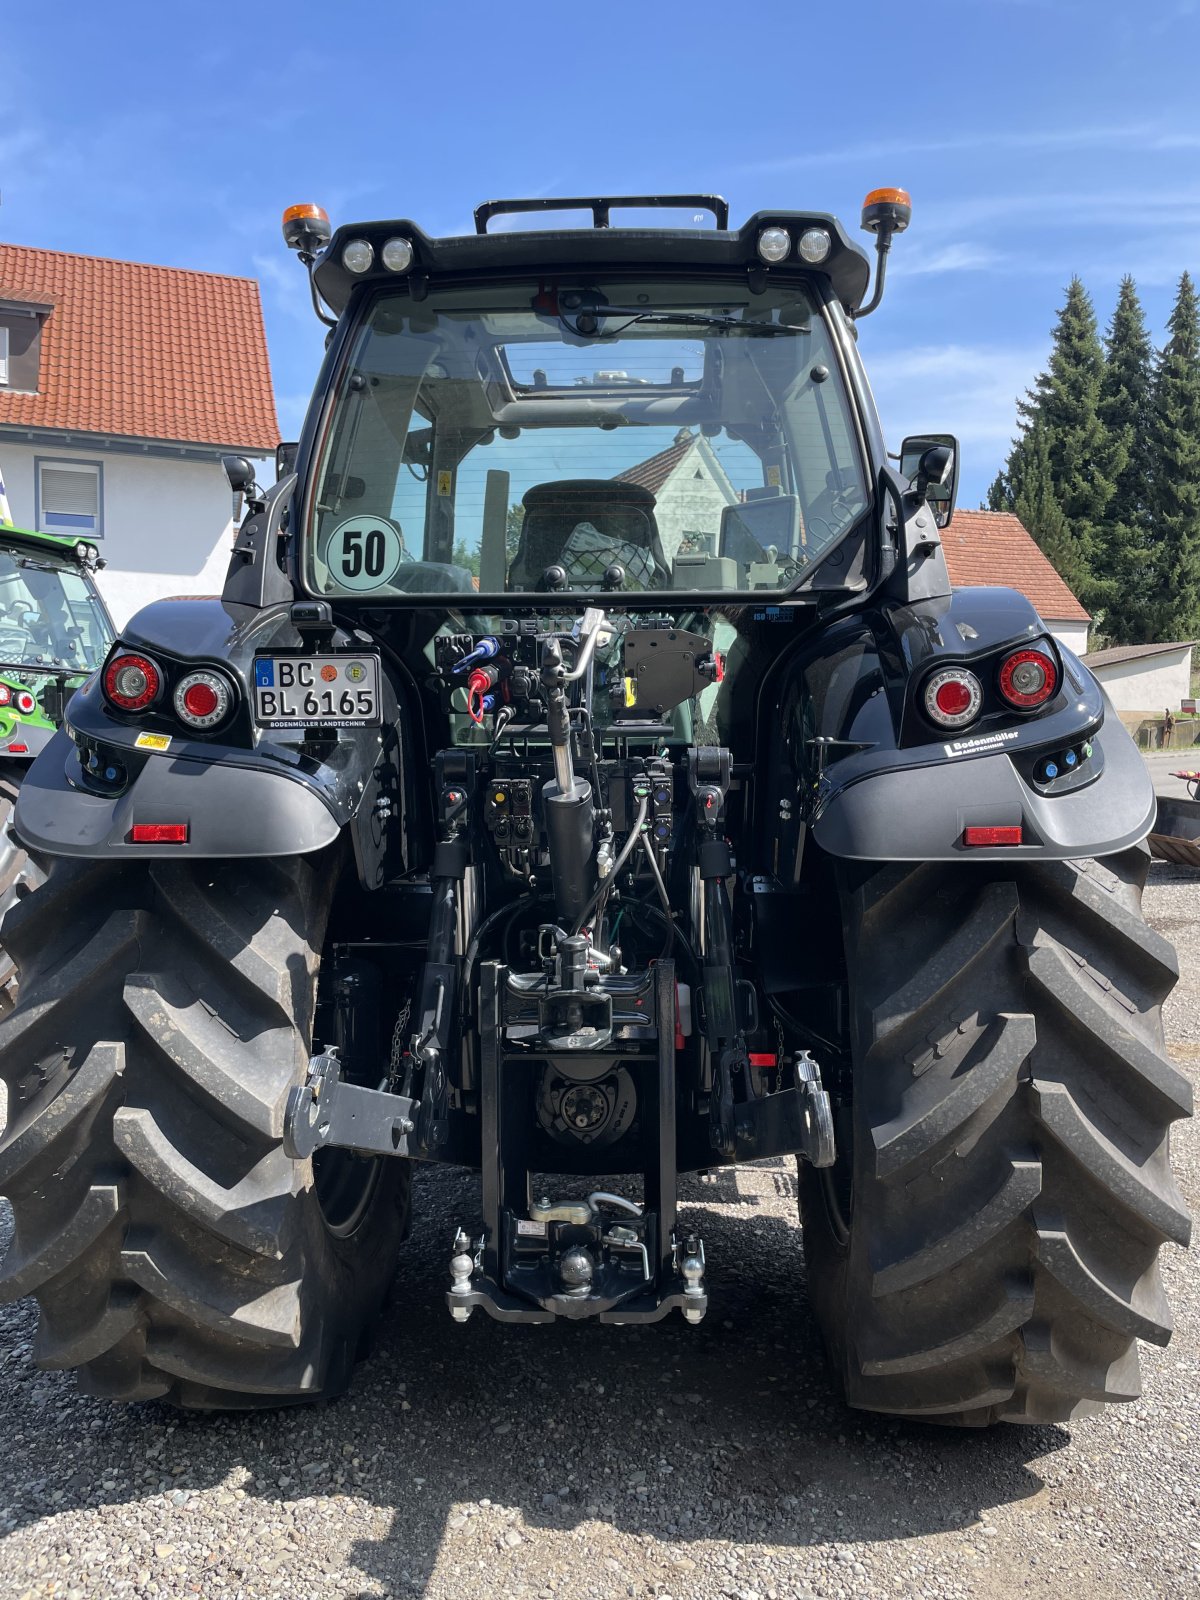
[879,782]
[229,810]
[35,736]
[243,792]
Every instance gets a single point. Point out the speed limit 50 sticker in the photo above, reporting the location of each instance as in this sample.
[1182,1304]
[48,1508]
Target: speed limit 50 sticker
[364,552]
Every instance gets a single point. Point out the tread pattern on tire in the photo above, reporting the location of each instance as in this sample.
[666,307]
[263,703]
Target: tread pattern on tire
[1012,1185]
[18,877]
[175,1250]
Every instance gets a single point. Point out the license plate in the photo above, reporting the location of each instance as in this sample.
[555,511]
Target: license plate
[329,691]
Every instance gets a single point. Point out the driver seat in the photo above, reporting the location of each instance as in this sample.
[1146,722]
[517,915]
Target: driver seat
[586,525]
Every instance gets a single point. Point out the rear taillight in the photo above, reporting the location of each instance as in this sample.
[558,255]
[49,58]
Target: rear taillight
[202,699]
[5,694]
[24,702]
[131,682]
[953,697]
[1028,678]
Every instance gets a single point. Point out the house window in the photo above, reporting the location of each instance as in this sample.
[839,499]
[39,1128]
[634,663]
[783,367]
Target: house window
[70,497]
[21,344]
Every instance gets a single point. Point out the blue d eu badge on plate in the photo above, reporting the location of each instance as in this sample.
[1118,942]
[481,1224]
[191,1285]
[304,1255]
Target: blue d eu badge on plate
[264,674]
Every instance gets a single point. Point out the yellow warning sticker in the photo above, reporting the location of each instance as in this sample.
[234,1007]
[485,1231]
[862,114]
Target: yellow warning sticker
[153,741]
[774,481]
[445,482]
[630,691]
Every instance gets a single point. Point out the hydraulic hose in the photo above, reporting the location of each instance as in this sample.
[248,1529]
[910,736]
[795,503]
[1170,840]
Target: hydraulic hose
[605,889]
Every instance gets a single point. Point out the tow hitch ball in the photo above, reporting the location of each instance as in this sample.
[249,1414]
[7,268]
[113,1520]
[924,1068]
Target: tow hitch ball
[576,1266]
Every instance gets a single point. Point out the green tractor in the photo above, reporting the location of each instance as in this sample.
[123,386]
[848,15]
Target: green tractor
[54,632]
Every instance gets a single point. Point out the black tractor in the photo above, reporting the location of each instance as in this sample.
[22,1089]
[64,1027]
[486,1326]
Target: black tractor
[589,776]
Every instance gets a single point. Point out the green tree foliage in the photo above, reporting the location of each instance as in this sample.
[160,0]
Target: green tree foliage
[1174,609]
[1127,412]
[512,531]
[1105,469]
[466,555]
[1058,477]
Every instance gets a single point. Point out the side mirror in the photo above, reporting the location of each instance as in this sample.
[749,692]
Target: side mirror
[930,463]
[285,460]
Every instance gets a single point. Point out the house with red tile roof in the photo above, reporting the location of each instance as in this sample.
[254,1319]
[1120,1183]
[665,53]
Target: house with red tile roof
[995,548]
[689,485]
[121,385]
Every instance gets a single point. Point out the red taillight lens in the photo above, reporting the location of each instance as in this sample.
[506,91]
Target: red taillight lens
[1028,678]
[25,702]
[5,694]
[202,699]
[131,682]
[953,697]
[989,837]
[159,833]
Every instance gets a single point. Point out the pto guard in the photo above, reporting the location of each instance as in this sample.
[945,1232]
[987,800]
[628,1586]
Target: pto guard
[919,813]
[230,810]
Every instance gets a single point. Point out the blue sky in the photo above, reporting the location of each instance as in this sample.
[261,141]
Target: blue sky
[1039,138]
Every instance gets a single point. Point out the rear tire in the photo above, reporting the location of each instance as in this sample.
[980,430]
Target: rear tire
[18,877]
[986,1249]
[175,1251]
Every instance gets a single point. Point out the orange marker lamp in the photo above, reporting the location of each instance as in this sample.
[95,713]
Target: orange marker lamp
[306,228]
[887,210]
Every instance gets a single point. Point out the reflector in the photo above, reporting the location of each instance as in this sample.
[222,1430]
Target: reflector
[159,833]
[993,836]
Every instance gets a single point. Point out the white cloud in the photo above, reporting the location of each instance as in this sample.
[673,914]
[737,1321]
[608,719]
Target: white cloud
[967,390]
[1127,137]
[912,258]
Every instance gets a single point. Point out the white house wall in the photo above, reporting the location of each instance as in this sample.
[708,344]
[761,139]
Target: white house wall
[1073,634]
[692,499]
[1148,684]
[167,524]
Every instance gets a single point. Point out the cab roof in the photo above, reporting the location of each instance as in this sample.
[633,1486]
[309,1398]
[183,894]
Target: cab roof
[61,545]
[715,252]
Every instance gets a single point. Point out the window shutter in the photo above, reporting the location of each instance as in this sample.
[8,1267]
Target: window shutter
[68,493]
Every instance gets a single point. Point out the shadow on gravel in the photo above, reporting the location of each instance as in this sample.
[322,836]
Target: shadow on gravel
[725,1432]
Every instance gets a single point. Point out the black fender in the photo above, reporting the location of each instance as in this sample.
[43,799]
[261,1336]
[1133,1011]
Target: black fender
[855,762]
[242,792]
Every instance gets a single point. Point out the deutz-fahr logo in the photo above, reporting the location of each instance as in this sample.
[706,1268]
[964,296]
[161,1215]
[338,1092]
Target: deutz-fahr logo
[972,747]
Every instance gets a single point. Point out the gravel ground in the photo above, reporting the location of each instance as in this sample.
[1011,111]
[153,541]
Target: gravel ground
[566,1463]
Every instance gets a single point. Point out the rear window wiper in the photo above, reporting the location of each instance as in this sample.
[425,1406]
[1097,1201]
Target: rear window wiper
[586,322]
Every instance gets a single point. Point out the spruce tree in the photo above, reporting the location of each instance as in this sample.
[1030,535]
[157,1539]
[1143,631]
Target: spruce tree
[1057,477]
[1175,597]
[1035,502]
[1127,412]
